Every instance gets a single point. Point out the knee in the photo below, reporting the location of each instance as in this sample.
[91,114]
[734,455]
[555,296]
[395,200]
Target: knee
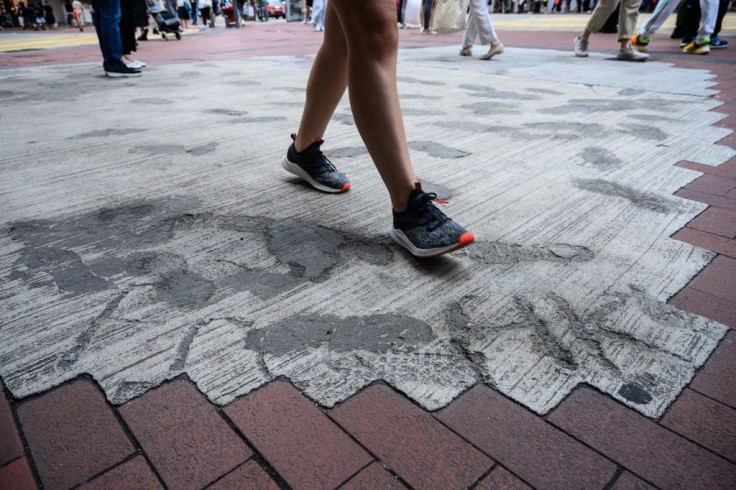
[381,37]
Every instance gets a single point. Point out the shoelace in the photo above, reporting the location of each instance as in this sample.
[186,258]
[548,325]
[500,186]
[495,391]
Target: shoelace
[426,213]
[326,164]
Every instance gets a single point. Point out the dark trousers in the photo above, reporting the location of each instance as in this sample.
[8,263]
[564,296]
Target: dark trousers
[106,16]
[127,26]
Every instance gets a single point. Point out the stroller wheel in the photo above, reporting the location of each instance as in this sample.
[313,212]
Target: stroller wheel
[163,36]
[178,35]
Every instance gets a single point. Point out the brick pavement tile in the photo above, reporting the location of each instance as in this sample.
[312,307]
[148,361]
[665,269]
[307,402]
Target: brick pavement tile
[131,475]
[301,443]
[501,479]
[11,446]
[705,421]
[640,445]
[712,184]
[524,443]
[716,243]
[627,481]
[727,169]
[17,476]
[706,305]
[729,140]
[716,379]
[73,434]
[718,278]
[185,438]
[716,220]
[717,201]
[732,194]
[374,476]
[249,476]
[410,441]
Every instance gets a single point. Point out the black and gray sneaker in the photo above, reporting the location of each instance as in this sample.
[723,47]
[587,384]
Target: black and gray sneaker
[123,72]
[425,231]
[313,166]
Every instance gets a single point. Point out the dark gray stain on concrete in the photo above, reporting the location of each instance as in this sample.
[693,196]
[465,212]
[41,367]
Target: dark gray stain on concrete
[539,90]
[348,152]
[101,133]
[631,92]
[372,253]
[160,149]
[293,90]
[567,131]
[586,106]
[263,284]
[469,126]
[226,112]
[635,394]
[408,111]
[202,149]
[309,250]
[440,191]
[600,158]
[492,93]
[419,96]
[511,253]
[642,131]
[437,150]
[57,267]
[182,351]
[190,74]
[640,199]
[652,117]
[492,108]
[184,289]
[419,81]
[152,101]
[344,118]
[376,333]
[257,120]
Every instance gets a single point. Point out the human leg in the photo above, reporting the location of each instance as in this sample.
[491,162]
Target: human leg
[627,17]
[661,12]
[471,32]
[106,19]
[708,18]
[479,11]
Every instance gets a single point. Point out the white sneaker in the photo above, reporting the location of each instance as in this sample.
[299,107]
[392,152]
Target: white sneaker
[136,65]
[466,51]
[494,50]
[581,47]
[428,31]
[631,54]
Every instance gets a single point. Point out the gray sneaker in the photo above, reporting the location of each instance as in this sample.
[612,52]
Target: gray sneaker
[631,54]
[581,47]
[313,166]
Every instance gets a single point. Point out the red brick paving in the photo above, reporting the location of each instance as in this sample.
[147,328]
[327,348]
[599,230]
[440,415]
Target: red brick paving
[249,476]
[374,476]
[501,479]
[11,447]
[132,474]
[185,438]
[716,380]
[704,421]
[410,441]
[74,436]
[524,443]
[17,476]
[640,445]
[302,444]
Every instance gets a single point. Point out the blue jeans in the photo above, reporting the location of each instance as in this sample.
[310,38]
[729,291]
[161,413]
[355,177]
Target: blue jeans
[106,17]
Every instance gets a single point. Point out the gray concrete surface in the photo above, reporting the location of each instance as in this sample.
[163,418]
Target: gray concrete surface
[148,230]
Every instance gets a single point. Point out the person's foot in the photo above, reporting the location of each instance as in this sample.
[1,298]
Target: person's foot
[718,43]
[492,51]
[581,47]
[631,54]
[136,64]
[425,231]
[123,72]
[313,166]
[640,44]
[428,31]
[686,40]
[698,47]
[466,51]
[403,26]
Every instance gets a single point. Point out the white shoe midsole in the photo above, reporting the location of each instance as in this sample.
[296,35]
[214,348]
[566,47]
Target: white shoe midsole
[295,169]
[399,237]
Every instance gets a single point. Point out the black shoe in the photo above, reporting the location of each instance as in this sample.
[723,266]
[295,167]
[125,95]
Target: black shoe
[123,72]
[313,166]
[686,40]
[425,231]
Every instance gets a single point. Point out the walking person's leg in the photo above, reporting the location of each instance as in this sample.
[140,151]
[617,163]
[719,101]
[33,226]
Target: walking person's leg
[486,33]
[470,34]
[360,50]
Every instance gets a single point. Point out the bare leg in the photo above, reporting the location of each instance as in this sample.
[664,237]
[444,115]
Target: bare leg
[327,82]
[372,42]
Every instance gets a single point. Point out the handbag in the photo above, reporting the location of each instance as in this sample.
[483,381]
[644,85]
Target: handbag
[450,16]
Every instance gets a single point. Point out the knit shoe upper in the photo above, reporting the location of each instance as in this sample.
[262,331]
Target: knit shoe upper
[425,231]
[313,166]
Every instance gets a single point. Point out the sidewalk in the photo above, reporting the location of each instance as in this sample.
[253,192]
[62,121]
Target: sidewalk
[178,312]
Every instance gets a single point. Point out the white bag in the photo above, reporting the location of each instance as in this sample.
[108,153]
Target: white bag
[450,16]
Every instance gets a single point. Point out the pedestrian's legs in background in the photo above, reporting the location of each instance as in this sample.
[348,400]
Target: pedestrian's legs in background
[627,17]
[708,18]
[107,18]
[427,14]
